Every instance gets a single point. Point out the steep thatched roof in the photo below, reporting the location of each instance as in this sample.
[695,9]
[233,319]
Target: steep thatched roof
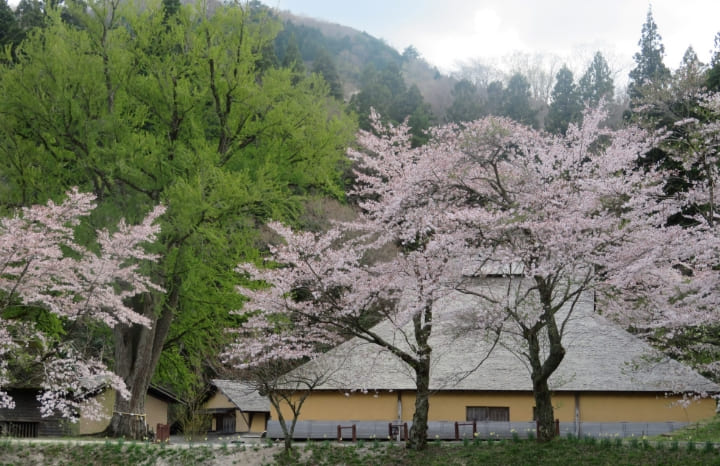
[601,357]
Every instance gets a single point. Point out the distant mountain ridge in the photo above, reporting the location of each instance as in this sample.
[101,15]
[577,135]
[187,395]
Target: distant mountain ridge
[353,50]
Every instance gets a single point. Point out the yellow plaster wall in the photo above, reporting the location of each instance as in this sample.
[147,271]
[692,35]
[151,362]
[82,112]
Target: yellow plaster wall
[259,422]
[651,408]
[218,401]
[241,421]
[155,410]
[328,406]
[450,406]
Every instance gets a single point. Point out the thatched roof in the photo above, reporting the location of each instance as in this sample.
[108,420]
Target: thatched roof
[601,357]
[242,395]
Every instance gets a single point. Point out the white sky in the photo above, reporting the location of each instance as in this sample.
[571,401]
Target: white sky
[448,31]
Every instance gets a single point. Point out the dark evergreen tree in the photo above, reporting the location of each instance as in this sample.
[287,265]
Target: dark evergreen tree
[411,106]
[467,103]
[566,106]
[30,14]
[391,76]
[597,82]
[292,58]
[10,33]
[410,54]
[713,77]
[691,75]
[379,89]
[170,8]
[495,93]
[324,65]
[649,68]
[517,101]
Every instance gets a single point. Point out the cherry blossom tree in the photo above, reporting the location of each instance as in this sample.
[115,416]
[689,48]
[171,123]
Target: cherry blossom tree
[42,265]
[556,217]
[266,355]
[680,286]
[267,351]
[560,220]
[392,264]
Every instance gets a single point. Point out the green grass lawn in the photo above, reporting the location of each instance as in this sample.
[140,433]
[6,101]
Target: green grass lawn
[695,445]
[703,431]
[520,452]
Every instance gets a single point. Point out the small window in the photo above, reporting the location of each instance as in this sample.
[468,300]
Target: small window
[488,413]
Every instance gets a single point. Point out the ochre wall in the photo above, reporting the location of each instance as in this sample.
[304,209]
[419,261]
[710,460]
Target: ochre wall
[87,426]
[651,408]
[155,410]
[450,406]
[218,400]
[241,421]
[259,422]
[322,406]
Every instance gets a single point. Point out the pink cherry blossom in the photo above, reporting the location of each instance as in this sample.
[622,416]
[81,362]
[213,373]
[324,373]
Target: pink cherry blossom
[36,269]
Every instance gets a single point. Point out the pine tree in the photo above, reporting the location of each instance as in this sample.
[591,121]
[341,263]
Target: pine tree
[516,101]
[597,82]
[691,74]
[466,104]
[9,30]
[649,69]
[495,93]
[566,107]
[713,79]
[325,66]
[292,58]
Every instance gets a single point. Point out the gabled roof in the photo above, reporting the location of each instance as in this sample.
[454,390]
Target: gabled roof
[600,356]
[242,395]
[164,394]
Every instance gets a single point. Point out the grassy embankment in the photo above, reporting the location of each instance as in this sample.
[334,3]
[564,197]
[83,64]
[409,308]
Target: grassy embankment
[697,444]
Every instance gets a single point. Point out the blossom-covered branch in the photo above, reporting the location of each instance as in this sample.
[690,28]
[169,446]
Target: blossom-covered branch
[42,265]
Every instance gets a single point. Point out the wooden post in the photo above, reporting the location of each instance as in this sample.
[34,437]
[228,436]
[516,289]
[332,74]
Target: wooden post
[162,433]
[353,430]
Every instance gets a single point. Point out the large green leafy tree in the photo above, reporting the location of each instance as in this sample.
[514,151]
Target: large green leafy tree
[597,82]
[143,107]
[566,107]
[649,67]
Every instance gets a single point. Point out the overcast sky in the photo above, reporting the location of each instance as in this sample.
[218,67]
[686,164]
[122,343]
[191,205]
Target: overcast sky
[448,31]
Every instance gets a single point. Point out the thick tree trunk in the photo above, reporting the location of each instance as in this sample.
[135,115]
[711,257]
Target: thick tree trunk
[418,432]
[137,352]
[545,415]
[128,420]
[542,370]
